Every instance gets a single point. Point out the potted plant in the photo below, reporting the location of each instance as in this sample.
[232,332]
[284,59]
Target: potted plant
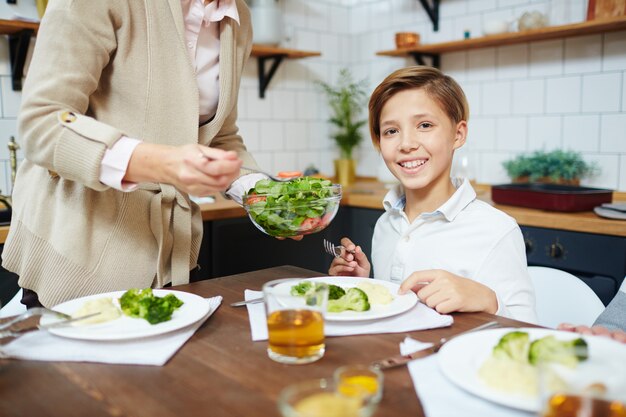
[346,100]
[558,166]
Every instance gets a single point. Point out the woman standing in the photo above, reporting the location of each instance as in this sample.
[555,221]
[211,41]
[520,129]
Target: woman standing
[129,107]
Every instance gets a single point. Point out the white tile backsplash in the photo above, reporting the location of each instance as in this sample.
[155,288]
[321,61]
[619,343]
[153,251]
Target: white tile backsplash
[546,58]
[614,57]
[544,133]
[562,93]
[496,98]
[601,92]
[528,96]
[581,54]
[613,133]
[511,133]
[581,133]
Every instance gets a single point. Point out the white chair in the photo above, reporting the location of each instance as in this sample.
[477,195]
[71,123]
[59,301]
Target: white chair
[563,298]
[14,306]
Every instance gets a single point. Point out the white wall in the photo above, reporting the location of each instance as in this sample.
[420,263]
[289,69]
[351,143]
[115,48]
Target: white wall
[567,93]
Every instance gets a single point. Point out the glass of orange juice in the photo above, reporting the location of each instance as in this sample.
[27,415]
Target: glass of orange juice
[295,323]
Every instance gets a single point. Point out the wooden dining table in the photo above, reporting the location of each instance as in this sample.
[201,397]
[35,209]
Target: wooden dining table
[219,372]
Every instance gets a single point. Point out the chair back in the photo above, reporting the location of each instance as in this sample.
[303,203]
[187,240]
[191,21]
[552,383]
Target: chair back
[563,298]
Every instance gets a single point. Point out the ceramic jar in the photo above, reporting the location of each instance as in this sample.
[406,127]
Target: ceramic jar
[267,22]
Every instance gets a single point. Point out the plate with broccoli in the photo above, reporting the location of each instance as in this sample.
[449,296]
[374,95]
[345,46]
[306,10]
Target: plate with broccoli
[501,365]
[144,313]
[358,299]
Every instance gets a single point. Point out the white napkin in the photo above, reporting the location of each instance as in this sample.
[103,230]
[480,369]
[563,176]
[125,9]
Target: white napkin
[420,317]
[40,345]
[440,397]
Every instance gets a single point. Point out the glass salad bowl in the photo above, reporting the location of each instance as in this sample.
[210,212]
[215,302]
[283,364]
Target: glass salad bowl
[298,207]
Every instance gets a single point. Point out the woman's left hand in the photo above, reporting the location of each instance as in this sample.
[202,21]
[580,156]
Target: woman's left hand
[446,292]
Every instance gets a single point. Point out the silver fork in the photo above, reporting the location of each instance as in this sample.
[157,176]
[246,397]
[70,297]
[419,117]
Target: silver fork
[259,171]
[335,250]
[34,312]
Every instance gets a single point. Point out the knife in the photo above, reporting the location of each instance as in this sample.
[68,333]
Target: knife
[56,324]
[243,303]
[399,360]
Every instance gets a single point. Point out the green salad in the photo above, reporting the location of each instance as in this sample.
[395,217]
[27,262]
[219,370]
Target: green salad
[301,206]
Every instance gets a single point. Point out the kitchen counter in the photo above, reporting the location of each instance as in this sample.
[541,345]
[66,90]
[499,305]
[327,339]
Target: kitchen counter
[367,193]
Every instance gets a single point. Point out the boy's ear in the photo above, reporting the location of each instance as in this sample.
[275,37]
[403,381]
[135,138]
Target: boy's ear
[460,134]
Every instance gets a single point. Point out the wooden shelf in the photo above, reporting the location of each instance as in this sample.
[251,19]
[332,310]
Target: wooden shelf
[20,32]
[275,55]
[552,32]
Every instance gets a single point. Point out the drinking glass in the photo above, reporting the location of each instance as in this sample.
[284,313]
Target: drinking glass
[295,324]
[606,397]
[351,378]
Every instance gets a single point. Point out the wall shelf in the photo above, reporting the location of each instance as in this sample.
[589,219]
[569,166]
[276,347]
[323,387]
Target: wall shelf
[20,32]
[432,10]
[434,50]
[275,56]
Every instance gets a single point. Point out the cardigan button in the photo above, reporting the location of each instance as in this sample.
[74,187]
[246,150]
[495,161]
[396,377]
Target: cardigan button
[68,117]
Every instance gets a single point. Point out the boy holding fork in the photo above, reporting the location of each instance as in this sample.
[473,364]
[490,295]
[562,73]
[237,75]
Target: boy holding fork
[435,238]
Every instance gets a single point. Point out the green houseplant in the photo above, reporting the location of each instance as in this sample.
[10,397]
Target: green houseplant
[558,166]
[346,100]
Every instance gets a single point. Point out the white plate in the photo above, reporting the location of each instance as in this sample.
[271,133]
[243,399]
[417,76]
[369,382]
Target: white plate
[193,309]
[460,359]
[400,303]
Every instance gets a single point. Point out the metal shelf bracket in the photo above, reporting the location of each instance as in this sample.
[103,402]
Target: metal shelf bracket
[266,76]
[435,59]
[18,49]
[432,11]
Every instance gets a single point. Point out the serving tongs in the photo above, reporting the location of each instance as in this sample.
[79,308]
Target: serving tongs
[6,329]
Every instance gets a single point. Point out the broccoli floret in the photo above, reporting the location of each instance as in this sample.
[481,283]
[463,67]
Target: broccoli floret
[335,292]
[301,288]
[513,345]
[354,299]
[144,304]
[565,352]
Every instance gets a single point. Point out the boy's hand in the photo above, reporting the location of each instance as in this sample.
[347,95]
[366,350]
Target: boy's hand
[350,264]
[446,292]
[618,335]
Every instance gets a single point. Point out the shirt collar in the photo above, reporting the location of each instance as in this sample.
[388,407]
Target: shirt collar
[218,9]
[395,200]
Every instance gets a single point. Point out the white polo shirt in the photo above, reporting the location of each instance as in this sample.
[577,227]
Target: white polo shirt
[464,236]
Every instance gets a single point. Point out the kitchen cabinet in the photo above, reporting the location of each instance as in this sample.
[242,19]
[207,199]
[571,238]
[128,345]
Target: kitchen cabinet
[20,33]
[434,50]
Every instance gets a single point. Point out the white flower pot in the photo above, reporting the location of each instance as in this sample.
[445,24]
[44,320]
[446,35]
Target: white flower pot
[267,22]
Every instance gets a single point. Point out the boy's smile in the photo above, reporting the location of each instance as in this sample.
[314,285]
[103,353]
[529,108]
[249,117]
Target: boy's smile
[417,142]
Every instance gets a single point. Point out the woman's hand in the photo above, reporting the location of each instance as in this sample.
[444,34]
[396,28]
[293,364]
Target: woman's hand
[351,263]
[446,292]
[195,169]
[618,335]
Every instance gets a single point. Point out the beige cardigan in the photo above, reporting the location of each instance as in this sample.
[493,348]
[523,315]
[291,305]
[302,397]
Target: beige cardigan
[100,70]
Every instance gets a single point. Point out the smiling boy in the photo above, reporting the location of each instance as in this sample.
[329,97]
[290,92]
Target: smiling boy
[435,238]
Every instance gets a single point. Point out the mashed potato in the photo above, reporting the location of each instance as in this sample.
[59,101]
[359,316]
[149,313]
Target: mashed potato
[108,311]
[376,293]
[516,377]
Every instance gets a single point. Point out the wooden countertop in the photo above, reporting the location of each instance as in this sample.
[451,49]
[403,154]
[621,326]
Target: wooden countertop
[368,193]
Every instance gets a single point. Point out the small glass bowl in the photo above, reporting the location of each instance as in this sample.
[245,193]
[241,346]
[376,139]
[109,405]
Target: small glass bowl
[322,398]
[356,377]
[300,213]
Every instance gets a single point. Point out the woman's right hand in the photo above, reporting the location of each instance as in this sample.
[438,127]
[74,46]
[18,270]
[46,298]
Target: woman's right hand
[352,262]
[195,169]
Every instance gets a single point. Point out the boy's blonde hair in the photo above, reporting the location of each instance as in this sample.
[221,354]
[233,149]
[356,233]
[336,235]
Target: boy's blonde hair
[440,87]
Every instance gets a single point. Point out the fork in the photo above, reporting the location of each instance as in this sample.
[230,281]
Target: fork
[335,250]
[258,171]
[33,312]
